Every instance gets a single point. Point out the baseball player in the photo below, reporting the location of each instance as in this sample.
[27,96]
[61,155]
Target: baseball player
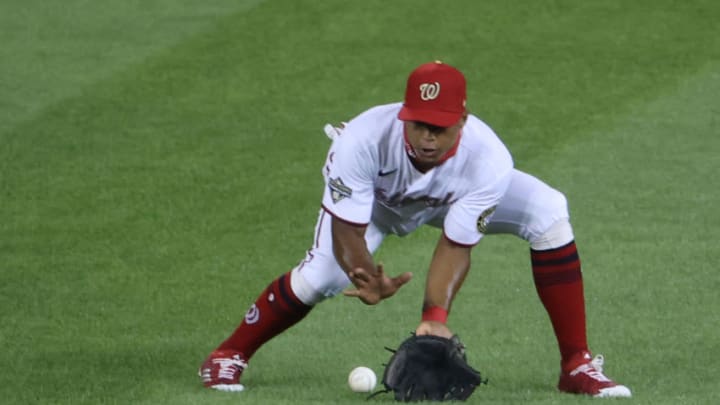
[426,161]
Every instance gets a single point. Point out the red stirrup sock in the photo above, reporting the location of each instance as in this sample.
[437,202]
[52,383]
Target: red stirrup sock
[558,280]
[275,310]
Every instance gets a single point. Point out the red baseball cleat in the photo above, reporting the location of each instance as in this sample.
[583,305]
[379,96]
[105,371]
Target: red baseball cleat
[222,370]
[587,378]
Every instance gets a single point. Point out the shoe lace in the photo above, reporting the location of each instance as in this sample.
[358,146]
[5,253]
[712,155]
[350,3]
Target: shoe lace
[594,369]
[229,366]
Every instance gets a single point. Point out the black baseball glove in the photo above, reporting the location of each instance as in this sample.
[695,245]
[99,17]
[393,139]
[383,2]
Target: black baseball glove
[430,368]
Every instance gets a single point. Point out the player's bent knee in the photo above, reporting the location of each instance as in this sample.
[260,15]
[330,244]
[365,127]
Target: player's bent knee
[303,290]
[556,205]
[559,234]
[312,287]
[548,224]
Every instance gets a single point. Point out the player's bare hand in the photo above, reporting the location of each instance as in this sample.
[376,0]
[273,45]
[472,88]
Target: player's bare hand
[433,328]
[373,287]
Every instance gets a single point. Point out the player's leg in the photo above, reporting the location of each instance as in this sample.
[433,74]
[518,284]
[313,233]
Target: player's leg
[285,301]
[539,214]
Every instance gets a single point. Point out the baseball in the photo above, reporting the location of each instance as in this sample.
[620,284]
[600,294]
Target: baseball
[362,379]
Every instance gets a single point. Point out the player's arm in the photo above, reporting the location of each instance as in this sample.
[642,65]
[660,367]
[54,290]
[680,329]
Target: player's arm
[350,248]
[371,283]
[449,266]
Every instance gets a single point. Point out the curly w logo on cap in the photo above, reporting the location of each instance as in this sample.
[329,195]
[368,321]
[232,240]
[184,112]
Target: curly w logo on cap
[435,94]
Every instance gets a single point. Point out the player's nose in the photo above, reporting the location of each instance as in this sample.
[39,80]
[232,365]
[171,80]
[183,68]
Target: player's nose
[428,135]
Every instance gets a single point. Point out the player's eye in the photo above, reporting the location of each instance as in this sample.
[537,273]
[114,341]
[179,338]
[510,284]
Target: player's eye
[432,128]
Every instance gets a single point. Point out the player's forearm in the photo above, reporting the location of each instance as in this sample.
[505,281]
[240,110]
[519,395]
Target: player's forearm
[448,268]
[350,248]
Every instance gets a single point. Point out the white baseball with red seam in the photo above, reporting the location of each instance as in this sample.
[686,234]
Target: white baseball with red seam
[362,379]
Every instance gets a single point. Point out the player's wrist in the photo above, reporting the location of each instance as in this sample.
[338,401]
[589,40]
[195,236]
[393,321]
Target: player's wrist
[435,314]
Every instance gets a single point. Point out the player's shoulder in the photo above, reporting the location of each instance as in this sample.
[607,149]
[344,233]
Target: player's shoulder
[373,124]
[376,118]
[365,135]
[390,110]
[480,135]
[478,129]
[480,141]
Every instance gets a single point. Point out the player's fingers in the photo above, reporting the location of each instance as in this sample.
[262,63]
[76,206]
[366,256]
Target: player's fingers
[359,274]
[423,329]
[400,280]
[433,328]
[365,298]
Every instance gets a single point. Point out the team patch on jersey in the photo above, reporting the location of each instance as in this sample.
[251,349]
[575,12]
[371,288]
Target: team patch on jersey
[338,189]
[484,219]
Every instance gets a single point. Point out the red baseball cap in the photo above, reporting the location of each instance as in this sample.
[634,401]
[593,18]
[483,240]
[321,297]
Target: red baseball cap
[435,94]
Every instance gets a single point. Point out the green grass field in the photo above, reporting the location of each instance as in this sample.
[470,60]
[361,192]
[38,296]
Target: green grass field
[160,164]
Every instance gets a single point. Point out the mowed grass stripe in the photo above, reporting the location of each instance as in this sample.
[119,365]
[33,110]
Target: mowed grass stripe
[128,207]
[52,51]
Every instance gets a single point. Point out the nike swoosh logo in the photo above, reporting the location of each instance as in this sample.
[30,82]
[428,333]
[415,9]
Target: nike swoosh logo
[383,174]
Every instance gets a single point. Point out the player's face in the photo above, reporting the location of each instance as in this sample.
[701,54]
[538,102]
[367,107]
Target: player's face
[430,142]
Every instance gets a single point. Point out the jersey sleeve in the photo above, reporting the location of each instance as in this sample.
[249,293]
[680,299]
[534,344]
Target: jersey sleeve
[349,173]
[468,217]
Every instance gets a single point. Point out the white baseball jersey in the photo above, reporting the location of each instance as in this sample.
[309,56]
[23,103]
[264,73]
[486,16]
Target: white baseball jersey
[370,178]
